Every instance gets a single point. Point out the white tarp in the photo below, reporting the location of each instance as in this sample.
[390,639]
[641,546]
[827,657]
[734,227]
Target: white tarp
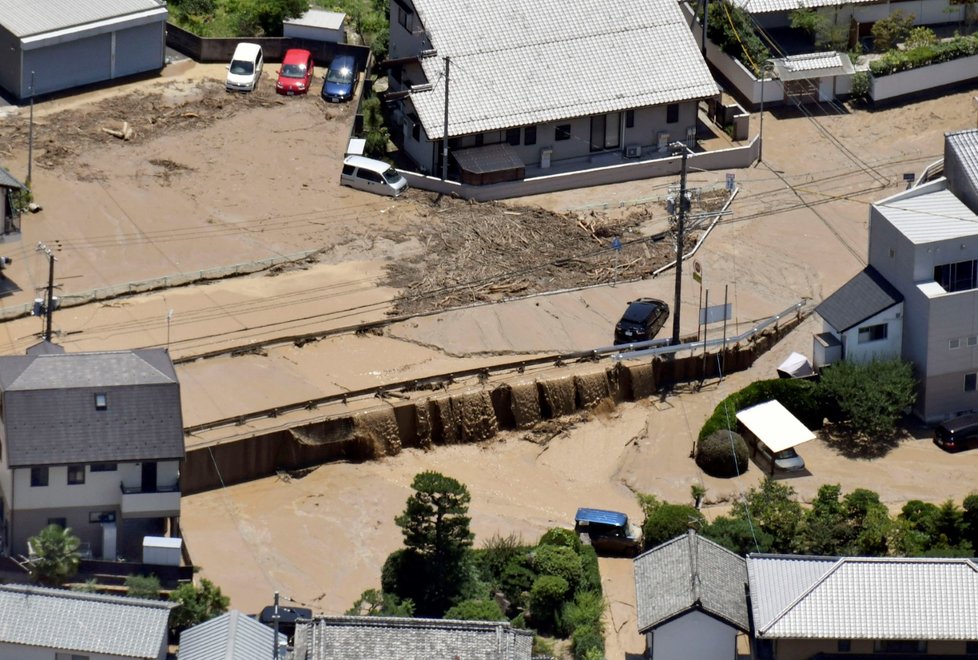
[796,366]
[775,426]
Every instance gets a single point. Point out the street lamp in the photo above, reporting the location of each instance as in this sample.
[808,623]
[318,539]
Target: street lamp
[677,148]
[765,69]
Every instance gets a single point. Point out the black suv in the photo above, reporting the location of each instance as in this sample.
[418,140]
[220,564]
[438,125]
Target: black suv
[641,321]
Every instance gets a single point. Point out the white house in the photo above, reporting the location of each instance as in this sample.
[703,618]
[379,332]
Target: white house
[534,83]
[91,441]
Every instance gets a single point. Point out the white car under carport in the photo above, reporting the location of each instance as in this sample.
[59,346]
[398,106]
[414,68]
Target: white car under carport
[769,426]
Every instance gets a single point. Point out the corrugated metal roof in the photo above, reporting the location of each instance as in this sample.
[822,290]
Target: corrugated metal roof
[865,295]
[686,573]
[523,62]
[765,6]
[8,181]
[356,638]
[774,425]
[25,18]
[142,419]
[82,622]
[935,214]
[864,598]
[231,636]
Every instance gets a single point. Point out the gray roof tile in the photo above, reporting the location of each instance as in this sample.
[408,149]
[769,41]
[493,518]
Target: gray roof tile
[142,421]
[690,573]
[522,62]
[81,622]
[8,181]
[864,597]
[375,638]
[231,636]
[26,18]
[864,296]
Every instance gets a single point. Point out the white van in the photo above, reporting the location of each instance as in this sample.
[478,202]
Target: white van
[245,68]
[371,175]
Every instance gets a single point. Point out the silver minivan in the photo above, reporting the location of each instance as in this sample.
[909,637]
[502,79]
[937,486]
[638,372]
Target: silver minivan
[371,175]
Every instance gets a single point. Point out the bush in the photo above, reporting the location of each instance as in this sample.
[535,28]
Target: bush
[801,397]
[591,580]
[560,561]
[476,610]
[546,597]
[143,586]
[891,30]
[585,641]
[732,30]
[561,537]
[585,610]
[667,521]
[860,85]
[896,61]
[496,553]
[722,454]
[871,396]
[517,579]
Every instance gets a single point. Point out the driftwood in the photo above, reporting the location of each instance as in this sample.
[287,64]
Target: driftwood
[125,134]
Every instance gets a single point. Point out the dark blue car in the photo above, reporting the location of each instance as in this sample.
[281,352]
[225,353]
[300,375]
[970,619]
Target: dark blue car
[340,79]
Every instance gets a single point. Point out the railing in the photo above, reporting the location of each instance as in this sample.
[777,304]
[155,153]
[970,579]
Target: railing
[137,490]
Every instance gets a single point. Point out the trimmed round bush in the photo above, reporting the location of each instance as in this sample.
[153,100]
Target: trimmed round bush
[560,561]
[715,457]
[546,597]
[667,521]
[562,537]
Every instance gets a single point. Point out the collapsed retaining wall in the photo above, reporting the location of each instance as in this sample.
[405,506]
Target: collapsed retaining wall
[470,415]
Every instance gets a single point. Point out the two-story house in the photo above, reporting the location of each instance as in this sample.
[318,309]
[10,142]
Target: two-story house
[918,298]
[537,82]
[91,441]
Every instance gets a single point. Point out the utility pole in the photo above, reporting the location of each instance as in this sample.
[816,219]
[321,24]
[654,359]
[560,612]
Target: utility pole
[49,304]
[275,618]
[444,139]
[680,237]
[30,138]
[706,13]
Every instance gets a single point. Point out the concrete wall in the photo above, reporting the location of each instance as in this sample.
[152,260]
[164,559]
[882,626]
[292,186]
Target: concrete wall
[20,652]
[734,158]
[905,83]
[695,636]
[471,415]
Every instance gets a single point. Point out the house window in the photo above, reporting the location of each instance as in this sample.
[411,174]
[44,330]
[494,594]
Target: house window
[953,344]
[104,467]
[970,381]
[629,119]
[960,276]
[416,131]
[971,648]
[97,517]
[60,522]
[69,656]
[843,645]
[39,477]
[672,113]
[972,341]
[563,132]
[513,137]
[872,333]
[76,475]
[529,135]
[101,401]
[900,646]
[480,140]
[403,18]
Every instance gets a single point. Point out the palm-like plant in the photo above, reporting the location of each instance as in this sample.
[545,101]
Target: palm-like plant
[55,555]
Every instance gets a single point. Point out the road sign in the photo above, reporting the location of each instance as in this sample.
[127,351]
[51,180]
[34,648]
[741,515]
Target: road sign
[616,244]
[716,313]
[697,272]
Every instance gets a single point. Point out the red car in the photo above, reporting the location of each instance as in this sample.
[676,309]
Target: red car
[295,76]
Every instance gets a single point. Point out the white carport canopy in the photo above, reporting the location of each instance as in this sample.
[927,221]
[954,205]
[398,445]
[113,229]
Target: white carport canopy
[773,425]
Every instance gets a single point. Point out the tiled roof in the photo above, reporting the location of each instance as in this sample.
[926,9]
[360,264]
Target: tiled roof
[765,6]
[374,638]
[929,214]
[799,597]
[26,18]
[864,296]
[522,62]
[231,636]
[8,181]
[142,419]
[690,573]
[83,623]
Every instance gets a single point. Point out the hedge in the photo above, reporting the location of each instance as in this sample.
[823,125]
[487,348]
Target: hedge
[895,61]
[800,397]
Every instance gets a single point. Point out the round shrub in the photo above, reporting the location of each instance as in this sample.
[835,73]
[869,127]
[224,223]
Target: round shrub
[476,610]
[667,521]
[560,561]
[715,456]
[546,597]
[585,640]
[516,581]
[561,537]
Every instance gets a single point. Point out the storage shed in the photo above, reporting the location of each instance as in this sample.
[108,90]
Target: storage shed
[317,25]
[66,43]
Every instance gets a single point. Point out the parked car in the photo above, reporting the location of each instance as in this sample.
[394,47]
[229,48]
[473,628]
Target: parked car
[607,532]
[245,68]
[295,76]
[786,460]
[371,175]
[340,79]
[957,433]
[287,618]
[641,321]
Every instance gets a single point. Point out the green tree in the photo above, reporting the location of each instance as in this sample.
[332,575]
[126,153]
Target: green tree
[435,524]
[737,535]
[823,530]
[667,521]
[196,604]
[54,558]
[143,586]
[868,524]
[476,610]
[891,30]
[970,519]
[774,510]
[546,598]
[374,602]
[731,29]
[871,396]
[266,16]
[560,561]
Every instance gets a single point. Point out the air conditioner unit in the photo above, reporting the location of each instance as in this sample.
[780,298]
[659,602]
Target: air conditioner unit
[633,151]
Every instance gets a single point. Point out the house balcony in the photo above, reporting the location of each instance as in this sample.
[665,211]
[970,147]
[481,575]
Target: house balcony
[138,502]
